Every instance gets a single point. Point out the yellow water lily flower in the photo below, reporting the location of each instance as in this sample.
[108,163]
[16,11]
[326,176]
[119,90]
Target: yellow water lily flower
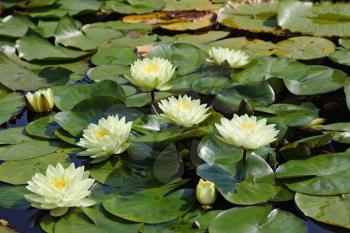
[151,73]
[183,111]
[109,136]
[41,100]
[60,189]
[235,58]
[246,132]
[206,193]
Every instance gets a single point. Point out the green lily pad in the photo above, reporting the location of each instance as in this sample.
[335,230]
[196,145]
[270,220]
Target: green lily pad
[66,97]
[34,47]
[322,19]
[325,174]
[246,184]
[259,219]
[271,67]
[10,105]
[115,55]
[25,169]
[254,17]
[257,94]
[44,127]
[254,48]
[69,34]
[304,47]
[319,80]
[186,57]
[290,114]
[114,73]
[63,7]
[15,25]
[13,197]
[95,219]
[341,56]
[187,5]
[185,224]
[87,111]
[134,6]
[210,85]
[162,204]
[327,209]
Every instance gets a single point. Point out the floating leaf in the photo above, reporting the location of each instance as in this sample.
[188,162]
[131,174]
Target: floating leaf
[257,219]
[114,73]
[66,97]
[327,209]
[321,19]
[255,17]
[15,25]
[114,55]
[44,127]
[13,197]
[25,169]
[341,56]
[134,6]
[186,57]
[34,47]
[161,204]
[187,5]
[10,105]
[318,80]
[257,94]
[304,47]
[324,174]
[271,67]
[246,184]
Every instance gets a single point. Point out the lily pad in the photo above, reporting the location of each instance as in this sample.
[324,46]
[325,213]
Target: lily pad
[321,19]
[95,219]
[44,127]
[247,184]
[327,209]
[324,174]
[66,97]
[15,25]
[257,219]
[257,94]
[318,80]
[13,197]
[255,17]
[186,57]
[304,47]
[134,6]
[10,105]
[34,47]
[25,169]
[115,55]
[162,204]
[341,56]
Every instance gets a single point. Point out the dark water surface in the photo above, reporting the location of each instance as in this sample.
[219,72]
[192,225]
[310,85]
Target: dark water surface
[22,220]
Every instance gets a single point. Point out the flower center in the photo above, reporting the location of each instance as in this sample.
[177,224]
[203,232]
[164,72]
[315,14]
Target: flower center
[101,133]
[151,68]
[183,105]
[247,125]
[60,183]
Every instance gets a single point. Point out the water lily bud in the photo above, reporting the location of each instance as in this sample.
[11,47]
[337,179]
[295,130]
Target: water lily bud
[41,100]
[316,124]
[206,193]
[151,73]
[235,58]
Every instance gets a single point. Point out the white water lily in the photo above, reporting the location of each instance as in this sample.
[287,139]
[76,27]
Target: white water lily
[183,111]
[235,58]
[151,73]
[109,136]
[246,132]
[60,189]
[41,100]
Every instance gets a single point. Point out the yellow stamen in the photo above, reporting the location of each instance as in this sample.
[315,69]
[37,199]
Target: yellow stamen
[183,105]
[60,183]
[151,68]
[248,125]
[101,133]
